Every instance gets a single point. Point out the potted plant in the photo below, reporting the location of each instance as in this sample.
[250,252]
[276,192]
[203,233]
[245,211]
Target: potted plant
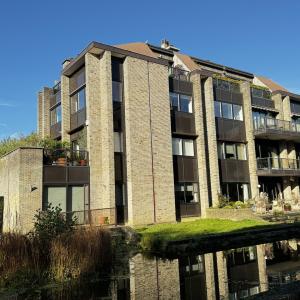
[287,207]
[61,158]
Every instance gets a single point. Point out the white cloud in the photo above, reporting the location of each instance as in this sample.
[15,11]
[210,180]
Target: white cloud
[6,104]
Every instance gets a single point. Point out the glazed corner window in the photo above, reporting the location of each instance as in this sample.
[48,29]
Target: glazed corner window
[181,102]
[237,112]
[186,192]
[117,91]
[218,111]
[232,151]
[55,115]
[78,101]
[118,142]
[183,147]
[228,111]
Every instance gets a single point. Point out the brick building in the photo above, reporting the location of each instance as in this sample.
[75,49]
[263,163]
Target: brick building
[156,136]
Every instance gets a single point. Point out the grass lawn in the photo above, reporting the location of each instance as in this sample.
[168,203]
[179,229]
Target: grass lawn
[154,236]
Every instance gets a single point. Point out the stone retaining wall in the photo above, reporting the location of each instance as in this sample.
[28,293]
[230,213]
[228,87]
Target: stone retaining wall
[232,214]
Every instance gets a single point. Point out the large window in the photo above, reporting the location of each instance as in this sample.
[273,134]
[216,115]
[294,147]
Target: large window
[117,91]
[181,102]
[78,101]
[183,147]
[236,191]
[228,150]
[186,192]
[55,115]
[228,111]
[118,142]
[57,197]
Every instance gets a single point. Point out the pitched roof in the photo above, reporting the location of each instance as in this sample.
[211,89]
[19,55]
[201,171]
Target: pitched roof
[140,48]
[187,60]
[273,86]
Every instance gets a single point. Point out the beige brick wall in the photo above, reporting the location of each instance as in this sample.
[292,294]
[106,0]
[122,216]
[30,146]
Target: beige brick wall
[44,112]
[200,142]
[100,140]
[19,172]
[278,105]
[148,143]
[65,108]
[209,276]
[40,114]
[212,140]
[154,279]
[245,89]
[262,268]
[286,107]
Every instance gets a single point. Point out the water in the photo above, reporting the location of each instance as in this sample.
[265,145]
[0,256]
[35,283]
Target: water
[231,274]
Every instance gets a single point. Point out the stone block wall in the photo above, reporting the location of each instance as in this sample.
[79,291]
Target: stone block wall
[21,173]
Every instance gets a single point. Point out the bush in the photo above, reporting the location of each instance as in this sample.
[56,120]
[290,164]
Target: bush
[50,223]
[222,201]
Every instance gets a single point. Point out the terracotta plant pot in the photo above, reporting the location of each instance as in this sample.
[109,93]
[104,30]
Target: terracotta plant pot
[61,161]
[82,162]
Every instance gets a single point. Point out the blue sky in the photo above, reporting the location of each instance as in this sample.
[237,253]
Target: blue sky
[260,36]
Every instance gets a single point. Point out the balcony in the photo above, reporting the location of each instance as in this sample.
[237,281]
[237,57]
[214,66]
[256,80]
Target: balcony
[55,130]
[274,129]
[275,166]
[179,74]
[226,85]
[78,119]
[64,166]
[262,99]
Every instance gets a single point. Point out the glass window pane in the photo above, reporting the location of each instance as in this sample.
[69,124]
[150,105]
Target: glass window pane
[81,99]
[188,147]
[191,193]
[186,103]
[179,192]
[174,101]
[77,194]
[118,141]
[227,110]
[117,91]
[237,112]
[57,196]
[221,154]
[177,146]
[230,151]
[58,114]
[241,151]
[218,113]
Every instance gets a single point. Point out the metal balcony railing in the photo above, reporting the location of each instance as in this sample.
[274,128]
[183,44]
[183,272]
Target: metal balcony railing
[229,86]
[179,74]
[260,93]
[276,163]
[264,124]
[66,157]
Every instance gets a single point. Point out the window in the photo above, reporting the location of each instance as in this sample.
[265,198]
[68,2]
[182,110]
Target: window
[185,103]
[237,112]
[183,147]
[117,91]
[57,197]
[177,146]
[55,115]
[186,192]
[118,141]
[236,191]
[218,111]
[232,151]
[181,102]
[78,101]
[228,111]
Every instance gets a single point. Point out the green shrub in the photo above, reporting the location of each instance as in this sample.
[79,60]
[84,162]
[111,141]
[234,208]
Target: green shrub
[222,201]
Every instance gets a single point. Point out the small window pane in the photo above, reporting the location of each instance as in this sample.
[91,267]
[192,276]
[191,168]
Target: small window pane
[230,151]
[57,196]
[174,101]
[241,151]
[117,91]
[237,112]
[188,147]
[81,99]
[177,146]
[186,103]
[118,141]
[58,114]
[227,110]
[191,193]
[218,113]
[221,151]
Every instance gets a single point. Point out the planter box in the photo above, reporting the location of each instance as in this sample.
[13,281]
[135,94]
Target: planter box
[231,214]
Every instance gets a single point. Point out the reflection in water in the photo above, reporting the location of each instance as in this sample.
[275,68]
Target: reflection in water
[231,274]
